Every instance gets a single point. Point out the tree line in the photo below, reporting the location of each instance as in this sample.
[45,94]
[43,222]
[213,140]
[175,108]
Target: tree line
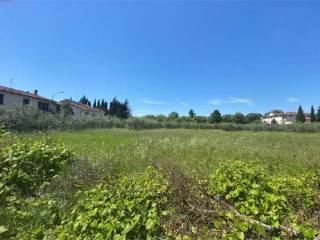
[215,117]
[123,110]
[239,118]
[115,108]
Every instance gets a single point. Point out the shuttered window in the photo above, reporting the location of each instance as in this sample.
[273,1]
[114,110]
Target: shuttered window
[26,101]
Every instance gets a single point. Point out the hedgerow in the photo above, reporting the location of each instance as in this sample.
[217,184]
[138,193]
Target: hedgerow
[26,119]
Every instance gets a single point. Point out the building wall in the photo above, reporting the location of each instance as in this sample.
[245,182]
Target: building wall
[289,119]
[269,120]
[13,101]
[76,111]
[79,112]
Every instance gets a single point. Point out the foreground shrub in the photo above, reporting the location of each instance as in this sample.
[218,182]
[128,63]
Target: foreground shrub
[256,194]
[26,165]
[125,208]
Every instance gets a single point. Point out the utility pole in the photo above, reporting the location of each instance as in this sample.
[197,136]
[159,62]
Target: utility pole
[11,82]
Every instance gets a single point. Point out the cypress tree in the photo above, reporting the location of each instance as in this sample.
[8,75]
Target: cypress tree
[318,114]
[95,103]
[105,107]
[313,115]
[126,111]
[85,100]
[113,107]
[98,104]
[300,116]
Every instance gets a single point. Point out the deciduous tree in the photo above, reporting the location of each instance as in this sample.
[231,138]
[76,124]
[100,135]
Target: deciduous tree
[192,114]
[173,116]
[216,117]
[239,118]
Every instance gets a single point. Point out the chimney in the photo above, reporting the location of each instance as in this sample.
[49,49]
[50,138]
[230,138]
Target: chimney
[35,92]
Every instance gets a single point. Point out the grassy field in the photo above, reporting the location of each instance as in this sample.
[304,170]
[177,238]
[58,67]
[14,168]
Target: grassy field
[193,150]
[173,184]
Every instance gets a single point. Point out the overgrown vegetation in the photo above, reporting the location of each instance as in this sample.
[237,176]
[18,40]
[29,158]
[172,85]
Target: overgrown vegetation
[54,197]
[29,120]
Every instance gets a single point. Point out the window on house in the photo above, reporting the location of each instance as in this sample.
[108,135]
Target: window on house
[43,106]
[1,99]
[26,101]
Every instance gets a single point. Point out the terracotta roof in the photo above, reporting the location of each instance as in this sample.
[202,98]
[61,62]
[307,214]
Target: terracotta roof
[23,93]
[81,106]
[286,114]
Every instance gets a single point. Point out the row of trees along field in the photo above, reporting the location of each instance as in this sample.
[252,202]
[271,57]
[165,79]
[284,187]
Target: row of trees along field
[239,118]
[215,117]
[115,108]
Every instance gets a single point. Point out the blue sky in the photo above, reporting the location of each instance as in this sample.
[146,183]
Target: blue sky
[250,56]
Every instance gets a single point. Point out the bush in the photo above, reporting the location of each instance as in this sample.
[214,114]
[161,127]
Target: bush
[26,165]
[125,208]
[137,124]
[273,200]
[27,119]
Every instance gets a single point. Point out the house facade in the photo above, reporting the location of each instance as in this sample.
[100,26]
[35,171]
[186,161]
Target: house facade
[280,117]
[82,109]
[13,98]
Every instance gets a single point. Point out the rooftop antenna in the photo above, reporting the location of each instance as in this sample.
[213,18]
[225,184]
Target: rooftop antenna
[11,82]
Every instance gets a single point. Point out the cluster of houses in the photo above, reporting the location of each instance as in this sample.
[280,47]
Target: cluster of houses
[13,98]
[280,117]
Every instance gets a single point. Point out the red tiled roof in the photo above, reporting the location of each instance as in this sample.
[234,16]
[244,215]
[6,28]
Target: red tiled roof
[81,106]
[23,93]
[286,114]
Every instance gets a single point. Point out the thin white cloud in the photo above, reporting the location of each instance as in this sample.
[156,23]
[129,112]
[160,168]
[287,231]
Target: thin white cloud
[184,104]
[140,113]
[216,101]
[240,100]
[152,102]
[231,100]
[293,99]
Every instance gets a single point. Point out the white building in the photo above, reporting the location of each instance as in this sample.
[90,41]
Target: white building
[13,98]
[82,109]
[280,117]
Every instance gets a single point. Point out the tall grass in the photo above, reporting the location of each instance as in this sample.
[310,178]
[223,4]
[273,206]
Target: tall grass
[109,189]
[122,150]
